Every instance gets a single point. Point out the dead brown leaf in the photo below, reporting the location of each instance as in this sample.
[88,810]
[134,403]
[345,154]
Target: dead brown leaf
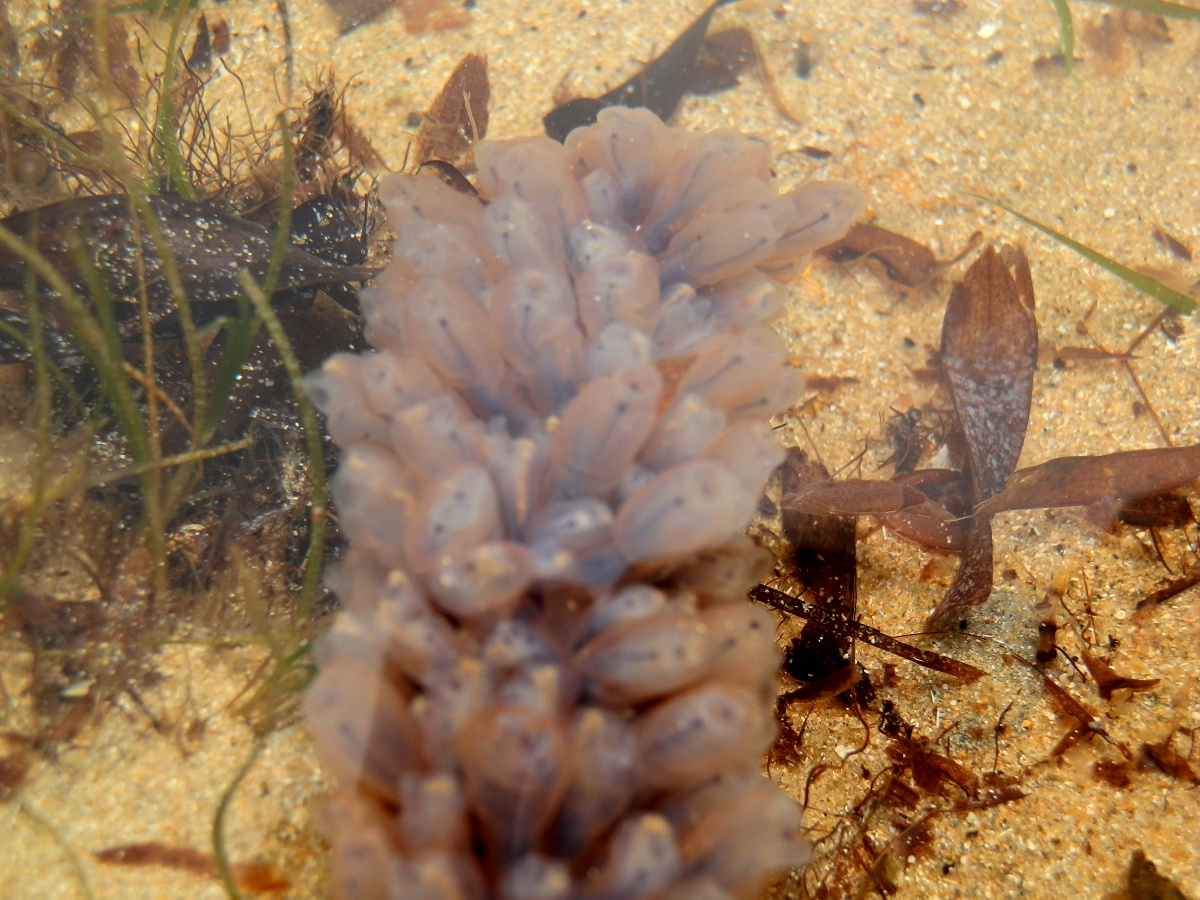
[938,524]
[1088,480]
[458,116]
[905,262]
[989,351]
[1146,884]
[852,497]
[1171,762]
[1107,680]
[1172,244]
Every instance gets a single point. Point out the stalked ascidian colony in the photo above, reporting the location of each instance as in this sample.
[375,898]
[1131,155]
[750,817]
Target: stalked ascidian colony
[546,681]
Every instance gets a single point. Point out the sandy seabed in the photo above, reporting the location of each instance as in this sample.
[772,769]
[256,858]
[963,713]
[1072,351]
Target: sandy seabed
[920,111]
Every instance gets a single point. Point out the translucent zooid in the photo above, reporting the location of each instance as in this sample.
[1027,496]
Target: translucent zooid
[546,681]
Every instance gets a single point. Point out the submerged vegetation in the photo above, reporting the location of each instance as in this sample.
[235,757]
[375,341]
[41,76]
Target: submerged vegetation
[163,475]
[170,275]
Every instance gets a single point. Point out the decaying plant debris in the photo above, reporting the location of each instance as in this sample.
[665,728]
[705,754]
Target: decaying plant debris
[153,428]
[988,355]
[694,63]
[987,361]
[658,87]
[458,117]
[904,261]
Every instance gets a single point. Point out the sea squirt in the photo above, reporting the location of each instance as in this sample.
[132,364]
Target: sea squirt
[545,681]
